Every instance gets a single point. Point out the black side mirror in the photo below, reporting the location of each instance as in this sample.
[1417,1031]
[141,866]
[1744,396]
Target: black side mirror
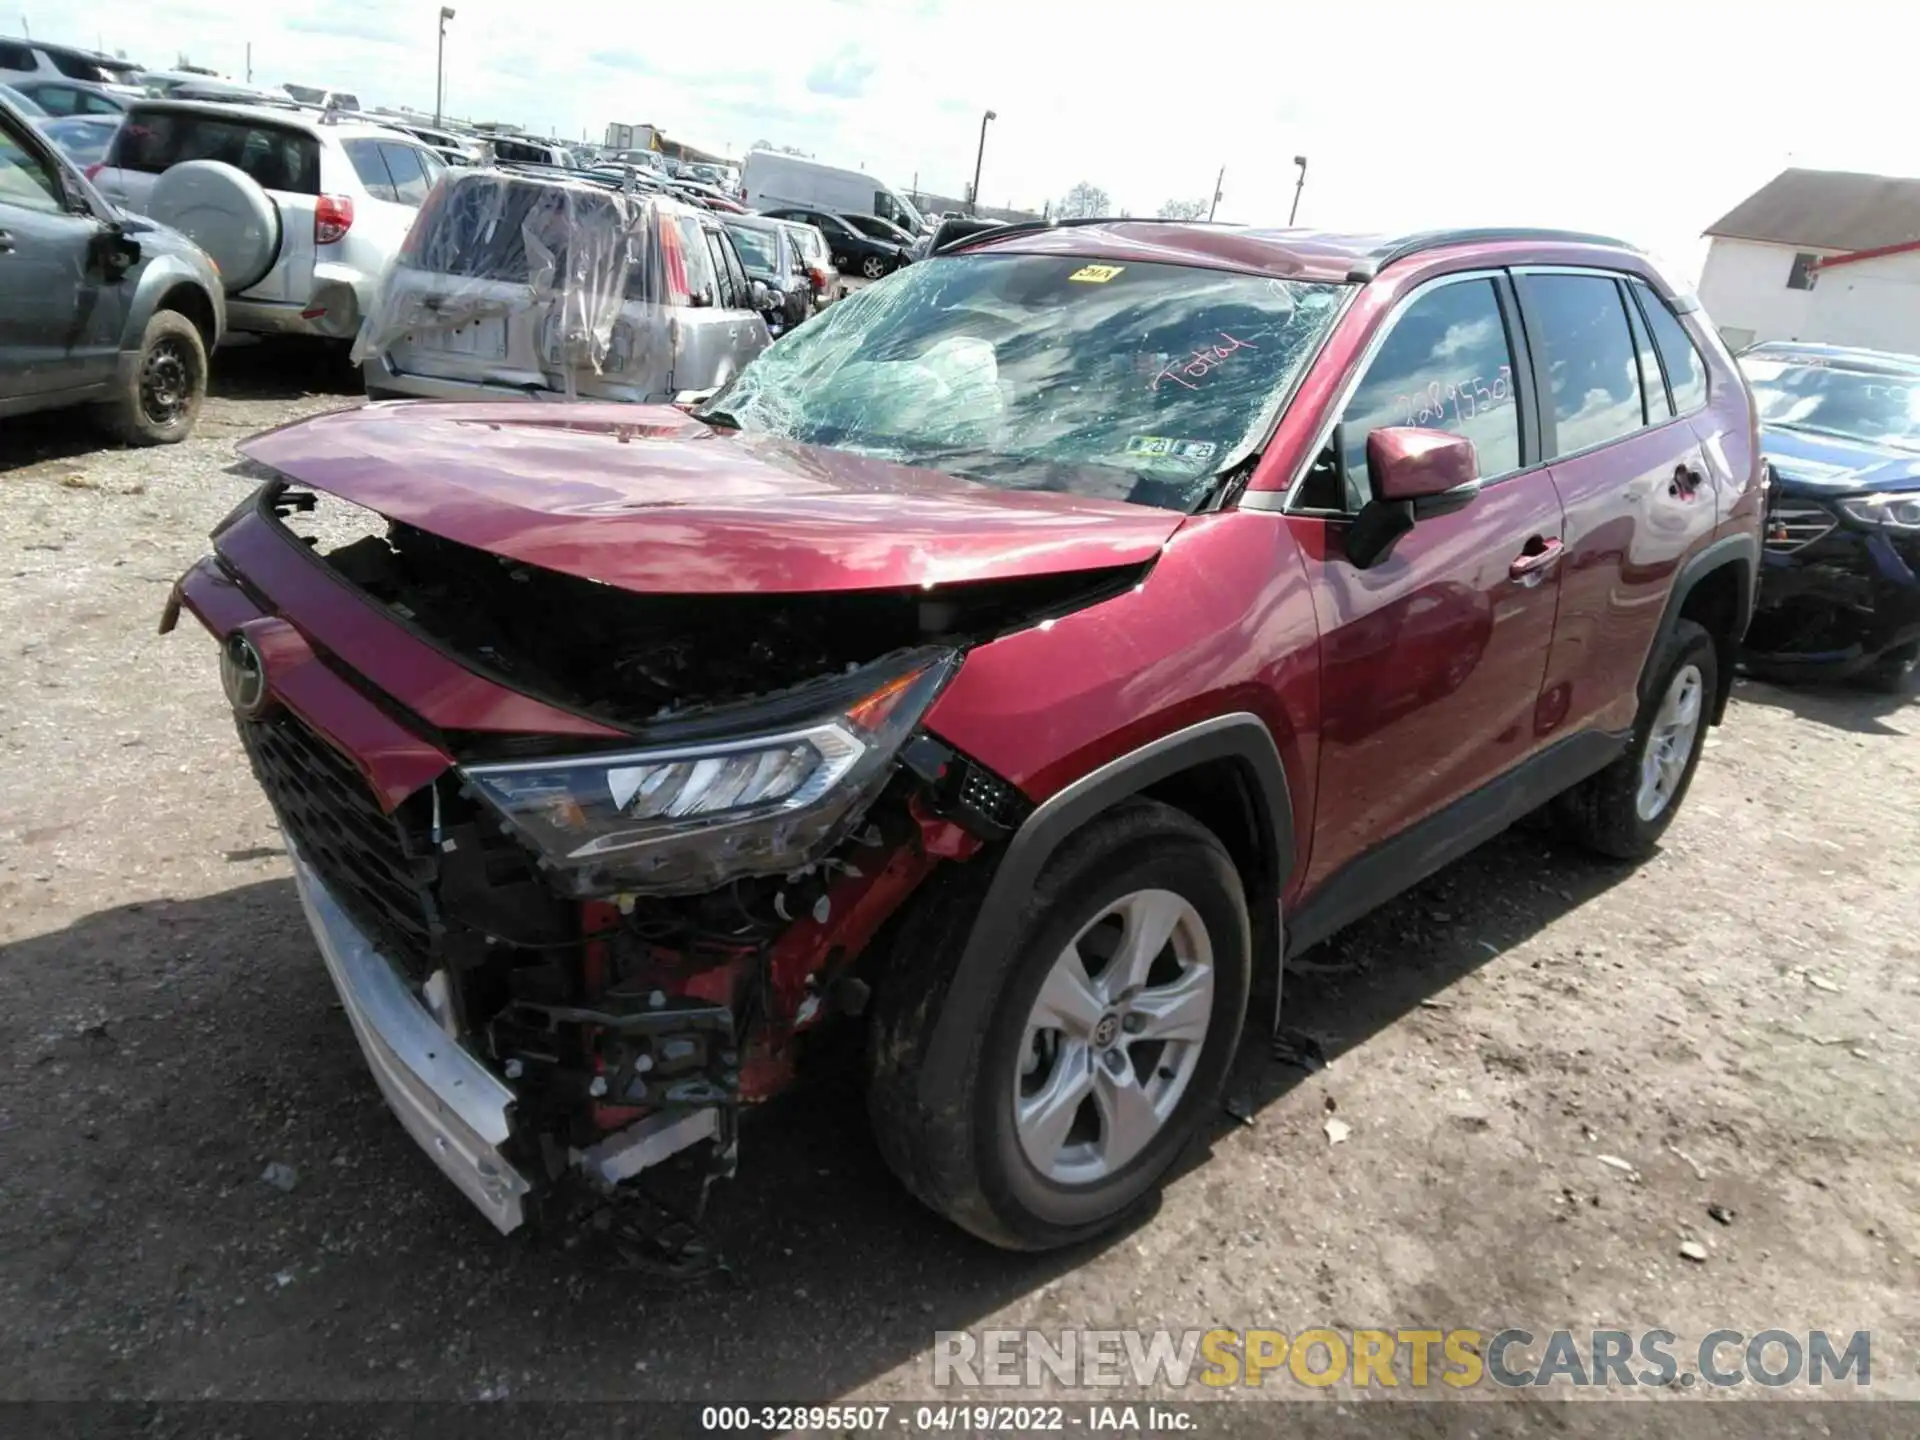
[114,251]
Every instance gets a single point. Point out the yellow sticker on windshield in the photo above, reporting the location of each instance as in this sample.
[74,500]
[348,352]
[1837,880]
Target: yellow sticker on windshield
[1096,274]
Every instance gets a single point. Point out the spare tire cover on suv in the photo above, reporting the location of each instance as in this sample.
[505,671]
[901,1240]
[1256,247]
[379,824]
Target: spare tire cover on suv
[225,213]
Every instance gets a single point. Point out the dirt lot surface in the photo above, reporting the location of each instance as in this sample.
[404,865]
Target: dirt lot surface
[1737,1023]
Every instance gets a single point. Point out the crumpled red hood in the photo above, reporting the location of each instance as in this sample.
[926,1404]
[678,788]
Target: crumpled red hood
[649,499]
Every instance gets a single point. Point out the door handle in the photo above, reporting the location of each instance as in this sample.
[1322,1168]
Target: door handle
[1686,480]
[1540,556]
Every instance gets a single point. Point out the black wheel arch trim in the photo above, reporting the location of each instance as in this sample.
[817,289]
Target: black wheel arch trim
[1239,736]
[1742,551]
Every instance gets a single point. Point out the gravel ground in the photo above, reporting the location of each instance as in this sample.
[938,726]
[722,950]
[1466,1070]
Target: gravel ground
[1737,1020]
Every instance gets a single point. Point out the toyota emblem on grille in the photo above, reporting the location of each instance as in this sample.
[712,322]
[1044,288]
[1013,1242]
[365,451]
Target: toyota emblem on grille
[244,676]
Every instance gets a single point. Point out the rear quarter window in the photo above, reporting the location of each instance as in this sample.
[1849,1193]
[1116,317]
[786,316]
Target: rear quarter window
[277,158]
[1686,371]
[16,57]
[371,166]
[75,68]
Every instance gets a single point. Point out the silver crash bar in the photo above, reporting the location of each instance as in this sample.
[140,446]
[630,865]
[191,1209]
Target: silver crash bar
[452,1105]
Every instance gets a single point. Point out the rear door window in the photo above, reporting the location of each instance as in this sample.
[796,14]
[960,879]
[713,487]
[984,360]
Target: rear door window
[1446,365]
[277,158]
[371,166]
[1578,325]
[16,57]
[703,279]
[410,179]
[736,273]
[1686,371]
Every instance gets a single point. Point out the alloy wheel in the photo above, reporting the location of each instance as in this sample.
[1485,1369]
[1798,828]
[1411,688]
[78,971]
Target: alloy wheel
[1113,1037]
[1670,742]
[873,267]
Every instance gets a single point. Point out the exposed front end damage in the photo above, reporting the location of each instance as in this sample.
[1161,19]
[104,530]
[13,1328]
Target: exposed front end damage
[604,870]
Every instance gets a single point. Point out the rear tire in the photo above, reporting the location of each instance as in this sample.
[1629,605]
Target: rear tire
[159,402]
[1622,811]
[961,1125]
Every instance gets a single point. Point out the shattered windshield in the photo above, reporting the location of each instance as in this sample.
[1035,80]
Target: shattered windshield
[1138,382]
[1851,404]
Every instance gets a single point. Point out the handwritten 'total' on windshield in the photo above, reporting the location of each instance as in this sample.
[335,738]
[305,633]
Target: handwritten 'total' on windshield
[1202,362]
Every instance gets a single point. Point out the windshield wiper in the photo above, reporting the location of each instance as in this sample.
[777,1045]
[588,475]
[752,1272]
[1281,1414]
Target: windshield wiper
[725,418]
[1223,489]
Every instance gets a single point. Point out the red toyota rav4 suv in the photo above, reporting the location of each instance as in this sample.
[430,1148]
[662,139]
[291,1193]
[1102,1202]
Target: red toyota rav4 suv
[1029,655]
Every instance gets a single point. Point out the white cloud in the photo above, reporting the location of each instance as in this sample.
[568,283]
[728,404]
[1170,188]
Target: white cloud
[1641,118]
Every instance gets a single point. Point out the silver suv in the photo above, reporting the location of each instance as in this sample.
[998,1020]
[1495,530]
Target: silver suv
[522,285]
[302,213]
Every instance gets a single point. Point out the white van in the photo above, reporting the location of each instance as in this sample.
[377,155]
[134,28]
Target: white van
[771,181]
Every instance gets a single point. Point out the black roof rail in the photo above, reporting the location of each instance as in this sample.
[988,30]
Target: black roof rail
[1423,240]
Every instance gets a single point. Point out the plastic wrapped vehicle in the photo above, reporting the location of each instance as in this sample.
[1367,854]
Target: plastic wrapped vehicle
[519,285]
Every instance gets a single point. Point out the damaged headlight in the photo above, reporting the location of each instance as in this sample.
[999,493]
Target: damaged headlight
[688,817]
[1887,512]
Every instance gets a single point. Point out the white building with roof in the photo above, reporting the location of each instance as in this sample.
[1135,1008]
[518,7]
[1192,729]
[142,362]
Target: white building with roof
[1819,255]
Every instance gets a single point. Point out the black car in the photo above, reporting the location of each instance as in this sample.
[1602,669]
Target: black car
[768,254]
[1840,586]
[874,228]
[853,252]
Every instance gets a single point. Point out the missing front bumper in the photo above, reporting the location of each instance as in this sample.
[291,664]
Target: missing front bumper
[456,1109]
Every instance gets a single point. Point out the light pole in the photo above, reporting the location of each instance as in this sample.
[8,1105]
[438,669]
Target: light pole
[1298,186]
[440,67]
[973,200]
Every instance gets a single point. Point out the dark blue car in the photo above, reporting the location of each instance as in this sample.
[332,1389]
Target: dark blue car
[1840,582]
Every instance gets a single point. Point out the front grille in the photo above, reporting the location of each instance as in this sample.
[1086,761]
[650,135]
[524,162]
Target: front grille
[360,853]
[1793,527]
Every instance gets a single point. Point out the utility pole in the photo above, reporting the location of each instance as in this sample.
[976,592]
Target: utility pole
[440,67]
[1218,180]
[973,196]
[249,62]
[25,29]
[1298,186]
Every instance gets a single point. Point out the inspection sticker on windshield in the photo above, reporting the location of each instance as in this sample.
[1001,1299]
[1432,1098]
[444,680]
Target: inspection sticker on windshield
[1198,451]
[1096,274]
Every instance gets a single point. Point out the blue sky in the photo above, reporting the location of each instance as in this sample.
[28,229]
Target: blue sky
[1645,120]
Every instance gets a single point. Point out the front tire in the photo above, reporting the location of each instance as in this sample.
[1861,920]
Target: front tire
[1094,1047]
[873,267]
[1623,811]
[1892,673]
[160,401]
